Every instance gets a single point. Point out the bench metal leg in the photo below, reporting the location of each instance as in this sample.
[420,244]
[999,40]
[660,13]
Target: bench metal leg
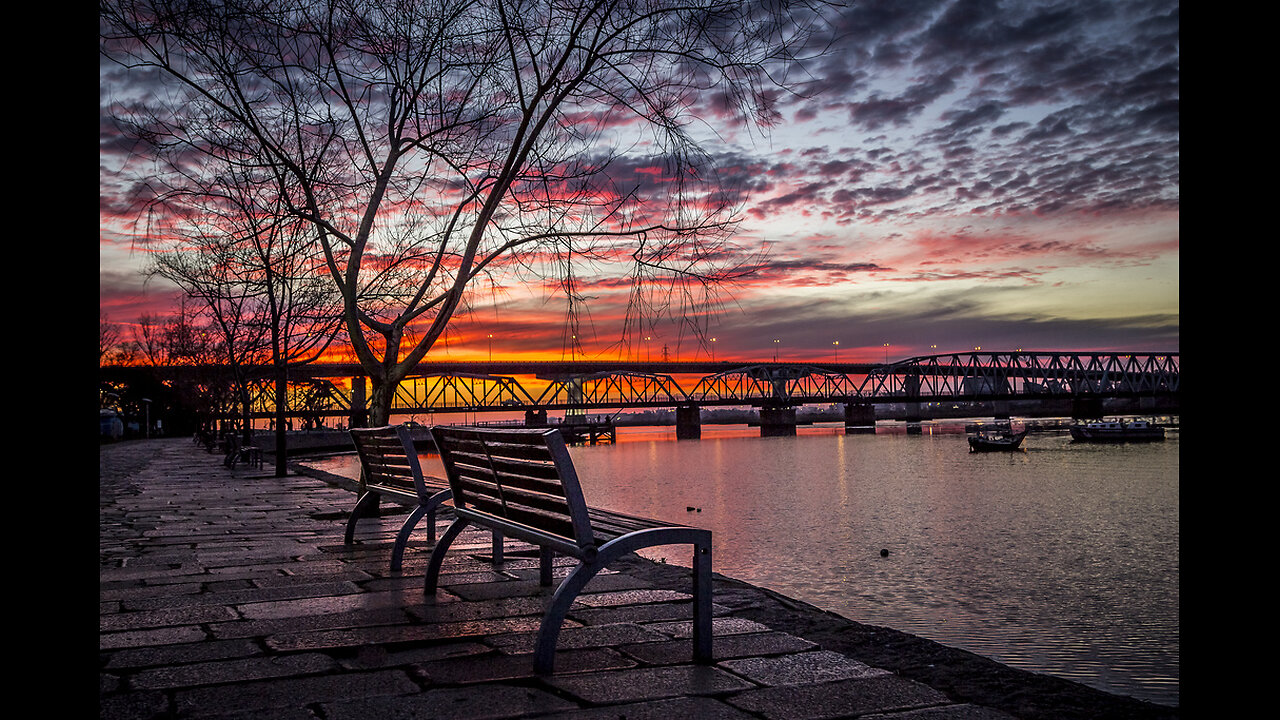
[437,554]
[702,603]
[545,650]
[402,537]
[367,500]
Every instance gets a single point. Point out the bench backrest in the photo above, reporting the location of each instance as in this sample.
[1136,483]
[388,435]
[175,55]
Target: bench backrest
[389,460]
[523,479]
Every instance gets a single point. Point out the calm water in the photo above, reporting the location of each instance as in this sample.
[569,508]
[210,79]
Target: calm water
[1061,559]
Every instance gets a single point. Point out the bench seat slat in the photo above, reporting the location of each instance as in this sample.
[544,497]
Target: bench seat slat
[463,435]
[478,495]
[621,524]
[393,472]
[532,467]
[553,523]
[483,475]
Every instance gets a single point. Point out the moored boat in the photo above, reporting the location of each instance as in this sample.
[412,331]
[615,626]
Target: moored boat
[1117,431]
[996,442]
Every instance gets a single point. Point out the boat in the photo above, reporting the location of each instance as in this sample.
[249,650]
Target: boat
[996,441]
[1117,431]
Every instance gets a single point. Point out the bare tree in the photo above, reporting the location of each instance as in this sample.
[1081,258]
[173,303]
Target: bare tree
[434,145]
[109,336]
[260,279]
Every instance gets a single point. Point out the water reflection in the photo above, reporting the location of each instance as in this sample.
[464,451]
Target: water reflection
[1060,559]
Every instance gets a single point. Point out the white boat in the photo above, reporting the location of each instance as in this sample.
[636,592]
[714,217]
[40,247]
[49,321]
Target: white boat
[1116,431]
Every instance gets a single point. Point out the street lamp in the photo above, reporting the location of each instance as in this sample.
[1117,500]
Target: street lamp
[713,349]
[886,353]
[836,343]
[776,342]
[490,347]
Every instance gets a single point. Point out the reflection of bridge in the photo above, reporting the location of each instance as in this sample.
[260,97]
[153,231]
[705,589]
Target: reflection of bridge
[1048,379]
[1058,382]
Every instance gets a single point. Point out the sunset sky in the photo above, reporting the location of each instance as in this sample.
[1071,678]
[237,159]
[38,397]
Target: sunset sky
[960,174]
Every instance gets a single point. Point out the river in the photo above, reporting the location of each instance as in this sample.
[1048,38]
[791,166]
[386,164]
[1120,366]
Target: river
[1061,559]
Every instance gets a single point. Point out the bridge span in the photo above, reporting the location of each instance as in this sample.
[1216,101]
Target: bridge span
[1056,382]
[1075,382]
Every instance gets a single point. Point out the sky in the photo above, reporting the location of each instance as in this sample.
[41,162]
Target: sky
[957,174]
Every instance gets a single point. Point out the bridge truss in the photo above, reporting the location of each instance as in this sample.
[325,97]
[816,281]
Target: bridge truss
[1025,375]
[611,390]
[953,377]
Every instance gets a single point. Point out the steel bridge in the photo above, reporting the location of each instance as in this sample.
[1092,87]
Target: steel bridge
[978,376]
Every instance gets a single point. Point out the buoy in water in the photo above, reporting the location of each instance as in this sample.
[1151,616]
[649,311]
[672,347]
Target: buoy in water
[884,552]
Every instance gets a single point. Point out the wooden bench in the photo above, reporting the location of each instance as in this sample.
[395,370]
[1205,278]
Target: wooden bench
[238,452]
[389,466]
[522,483]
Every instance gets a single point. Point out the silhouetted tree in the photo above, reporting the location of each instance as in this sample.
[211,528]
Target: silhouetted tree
[437,145]
[260,279]
[109,339]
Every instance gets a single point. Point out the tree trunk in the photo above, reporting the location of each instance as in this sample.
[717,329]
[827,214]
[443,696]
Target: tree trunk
[282,382]
[381,392]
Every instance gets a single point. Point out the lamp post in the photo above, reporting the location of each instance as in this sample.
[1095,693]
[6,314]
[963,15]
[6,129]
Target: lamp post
[776,342]
[886,353]
[490,347]
[713,349]
[836,343]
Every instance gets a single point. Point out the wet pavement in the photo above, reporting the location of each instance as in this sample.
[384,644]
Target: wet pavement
[229,593]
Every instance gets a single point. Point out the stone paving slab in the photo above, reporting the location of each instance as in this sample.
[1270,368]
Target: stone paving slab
[230,594]
[850,697]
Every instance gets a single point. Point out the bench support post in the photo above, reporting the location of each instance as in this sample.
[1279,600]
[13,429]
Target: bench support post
[437,553]
[702,602]
[545,650]
[546,559]
[366,501]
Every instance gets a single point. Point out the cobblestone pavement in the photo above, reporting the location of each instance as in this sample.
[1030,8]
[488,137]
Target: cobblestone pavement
[230,594]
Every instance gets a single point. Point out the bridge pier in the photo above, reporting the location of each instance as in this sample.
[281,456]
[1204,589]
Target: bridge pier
[859,418]
[777,421]
[535,418]
[1086,407]
[914,417]
[688,422]
[911,388]
[1001,408]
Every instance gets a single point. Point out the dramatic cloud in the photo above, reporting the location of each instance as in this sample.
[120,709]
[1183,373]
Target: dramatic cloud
[953,173]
